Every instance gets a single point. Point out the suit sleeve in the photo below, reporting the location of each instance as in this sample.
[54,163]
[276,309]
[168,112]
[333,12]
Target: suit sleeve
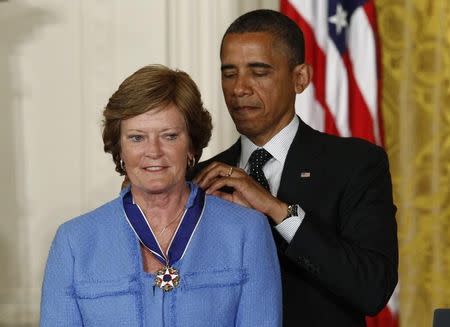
[261,300]
[58,304]
[358,261]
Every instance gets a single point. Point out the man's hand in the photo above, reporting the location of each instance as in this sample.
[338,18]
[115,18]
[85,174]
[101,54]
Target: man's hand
[246,191]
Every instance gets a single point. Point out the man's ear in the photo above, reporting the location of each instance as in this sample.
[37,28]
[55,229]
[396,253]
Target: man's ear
[302,75]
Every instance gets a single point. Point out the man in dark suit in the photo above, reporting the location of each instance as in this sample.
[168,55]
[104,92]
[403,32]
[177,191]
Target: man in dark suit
[329,199]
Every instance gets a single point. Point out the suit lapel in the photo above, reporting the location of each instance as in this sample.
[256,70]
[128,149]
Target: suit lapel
[298,172]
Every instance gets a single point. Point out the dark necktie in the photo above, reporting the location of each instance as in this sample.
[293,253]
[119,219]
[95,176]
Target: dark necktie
[257,160]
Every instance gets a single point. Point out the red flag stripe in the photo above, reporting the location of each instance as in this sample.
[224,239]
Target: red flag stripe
[361,123]
[383,319]
[314,56]
[369,8]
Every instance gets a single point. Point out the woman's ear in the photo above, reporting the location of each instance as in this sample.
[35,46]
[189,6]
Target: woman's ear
[302,75]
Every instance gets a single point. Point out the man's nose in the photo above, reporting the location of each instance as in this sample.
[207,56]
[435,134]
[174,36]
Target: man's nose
[242,86]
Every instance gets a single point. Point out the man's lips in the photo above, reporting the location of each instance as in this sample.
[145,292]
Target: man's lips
[244,108]
[244,111]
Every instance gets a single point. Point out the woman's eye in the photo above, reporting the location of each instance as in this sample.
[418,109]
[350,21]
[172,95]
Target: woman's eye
[136,138]
[171,136]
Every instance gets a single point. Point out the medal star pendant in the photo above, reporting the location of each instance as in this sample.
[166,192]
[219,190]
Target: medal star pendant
[167,278]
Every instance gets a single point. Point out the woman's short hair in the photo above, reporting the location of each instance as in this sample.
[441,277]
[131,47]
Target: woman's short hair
[152,87]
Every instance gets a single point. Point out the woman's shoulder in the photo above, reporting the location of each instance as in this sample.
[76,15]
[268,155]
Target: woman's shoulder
[226,211]
[233,224]
[101,217]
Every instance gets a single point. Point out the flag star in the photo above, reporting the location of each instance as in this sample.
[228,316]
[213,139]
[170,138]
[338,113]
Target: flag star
[339,19]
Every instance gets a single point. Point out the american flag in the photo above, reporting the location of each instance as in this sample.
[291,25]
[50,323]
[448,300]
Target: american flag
[342,45]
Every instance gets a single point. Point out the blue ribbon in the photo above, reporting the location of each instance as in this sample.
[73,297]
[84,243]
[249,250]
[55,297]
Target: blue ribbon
[184,233]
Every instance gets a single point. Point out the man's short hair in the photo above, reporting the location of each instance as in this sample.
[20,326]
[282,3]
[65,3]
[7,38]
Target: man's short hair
[282,28]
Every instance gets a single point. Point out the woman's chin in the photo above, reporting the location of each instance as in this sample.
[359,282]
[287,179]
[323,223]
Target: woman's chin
[155,187]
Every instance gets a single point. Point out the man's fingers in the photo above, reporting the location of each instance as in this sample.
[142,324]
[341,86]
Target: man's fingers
[246,191]
[207,173]
[218,183]
[201,175]
[215,171]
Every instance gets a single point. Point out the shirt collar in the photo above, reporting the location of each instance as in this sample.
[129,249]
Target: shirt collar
[278,146]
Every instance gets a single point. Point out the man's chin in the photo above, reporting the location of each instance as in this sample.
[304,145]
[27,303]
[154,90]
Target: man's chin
[248,130]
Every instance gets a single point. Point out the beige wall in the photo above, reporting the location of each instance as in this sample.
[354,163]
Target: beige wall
[59,62]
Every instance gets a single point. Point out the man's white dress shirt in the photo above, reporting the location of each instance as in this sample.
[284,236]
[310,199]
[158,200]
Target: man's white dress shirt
[278,147]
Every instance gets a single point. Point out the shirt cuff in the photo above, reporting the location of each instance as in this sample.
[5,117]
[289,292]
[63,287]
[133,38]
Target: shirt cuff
[288,227]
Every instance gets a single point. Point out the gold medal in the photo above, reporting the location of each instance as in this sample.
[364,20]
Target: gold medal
[167,278]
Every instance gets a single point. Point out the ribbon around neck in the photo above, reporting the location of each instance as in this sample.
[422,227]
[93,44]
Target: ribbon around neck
[182,236]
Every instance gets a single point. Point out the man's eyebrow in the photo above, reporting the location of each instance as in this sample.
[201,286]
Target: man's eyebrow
[259,65]
[256,64]
[227,66]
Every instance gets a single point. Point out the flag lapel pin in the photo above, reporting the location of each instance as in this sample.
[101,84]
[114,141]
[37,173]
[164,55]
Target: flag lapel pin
[305,174]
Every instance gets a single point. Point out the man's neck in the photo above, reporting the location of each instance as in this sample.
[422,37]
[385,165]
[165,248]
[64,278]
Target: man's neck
[261,139]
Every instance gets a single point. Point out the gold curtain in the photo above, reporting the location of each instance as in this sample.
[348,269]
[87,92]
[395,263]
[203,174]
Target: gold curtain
[415,39]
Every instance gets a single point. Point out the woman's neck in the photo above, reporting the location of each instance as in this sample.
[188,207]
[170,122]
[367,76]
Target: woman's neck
[161,208]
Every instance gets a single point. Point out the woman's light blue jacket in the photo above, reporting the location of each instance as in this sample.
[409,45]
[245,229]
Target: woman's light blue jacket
[229,274]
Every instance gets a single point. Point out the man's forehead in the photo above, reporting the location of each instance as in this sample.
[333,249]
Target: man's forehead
[248,38]
[250,49]
[248,44]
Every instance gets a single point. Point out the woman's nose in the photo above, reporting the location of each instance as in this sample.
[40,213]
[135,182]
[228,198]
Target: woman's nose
[153,148]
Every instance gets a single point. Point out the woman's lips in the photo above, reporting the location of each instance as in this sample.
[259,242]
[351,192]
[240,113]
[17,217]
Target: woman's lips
[154,168]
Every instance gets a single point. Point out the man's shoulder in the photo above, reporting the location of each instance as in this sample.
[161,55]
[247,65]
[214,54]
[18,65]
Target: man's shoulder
[350,147]
[335,154]
[311,142]
[351,156]
[351,144]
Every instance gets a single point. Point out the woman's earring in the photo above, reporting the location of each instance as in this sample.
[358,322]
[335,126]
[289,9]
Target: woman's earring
[191,162]
[122,165]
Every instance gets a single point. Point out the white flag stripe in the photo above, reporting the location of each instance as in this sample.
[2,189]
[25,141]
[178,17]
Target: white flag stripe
[362,52]
[315,14]
[310,111]
[393,303]
[336,88]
